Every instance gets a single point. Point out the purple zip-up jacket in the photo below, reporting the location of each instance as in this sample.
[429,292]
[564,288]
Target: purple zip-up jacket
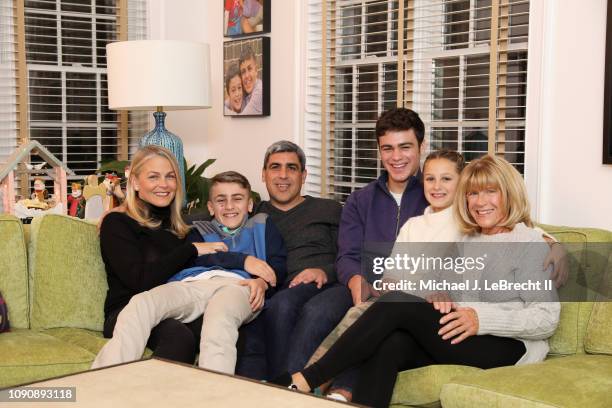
[371,215]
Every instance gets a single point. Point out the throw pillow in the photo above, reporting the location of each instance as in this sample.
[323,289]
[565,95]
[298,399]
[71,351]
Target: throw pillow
[4,322]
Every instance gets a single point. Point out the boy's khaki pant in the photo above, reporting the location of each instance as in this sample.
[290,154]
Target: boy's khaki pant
[223,302]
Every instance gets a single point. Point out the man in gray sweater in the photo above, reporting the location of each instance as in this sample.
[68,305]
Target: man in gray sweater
[311,303]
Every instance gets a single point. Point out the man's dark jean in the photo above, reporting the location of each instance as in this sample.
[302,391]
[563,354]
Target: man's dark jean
[292,325]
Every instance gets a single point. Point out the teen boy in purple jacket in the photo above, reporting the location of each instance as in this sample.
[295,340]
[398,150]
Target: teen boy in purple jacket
[376,213]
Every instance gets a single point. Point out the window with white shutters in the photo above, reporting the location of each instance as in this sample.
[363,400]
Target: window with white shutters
[55,78]
[461,64]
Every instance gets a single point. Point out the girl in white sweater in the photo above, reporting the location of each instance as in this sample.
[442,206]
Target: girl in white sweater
[400,332]
[441,172]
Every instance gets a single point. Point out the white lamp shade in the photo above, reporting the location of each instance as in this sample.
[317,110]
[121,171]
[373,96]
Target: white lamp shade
[143,75]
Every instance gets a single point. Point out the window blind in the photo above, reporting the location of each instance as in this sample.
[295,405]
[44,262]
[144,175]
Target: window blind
[436,59]
[469,82]
[137,121]
[9,126]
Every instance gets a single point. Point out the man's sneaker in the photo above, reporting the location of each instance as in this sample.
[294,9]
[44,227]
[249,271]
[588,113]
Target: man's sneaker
[336,396]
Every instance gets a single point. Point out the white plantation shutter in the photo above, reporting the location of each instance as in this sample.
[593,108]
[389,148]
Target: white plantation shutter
[9,125]
[314,143]
[360,82]
[66,85]
[444,51]
[468,104]
[138,121]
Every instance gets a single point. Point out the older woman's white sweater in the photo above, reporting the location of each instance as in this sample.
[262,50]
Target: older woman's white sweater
[520,317]
[530,316]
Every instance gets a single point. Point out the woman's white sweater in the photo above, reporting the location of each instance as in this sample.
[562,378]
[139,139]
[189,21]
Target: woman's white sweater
[520,315]
[527,315]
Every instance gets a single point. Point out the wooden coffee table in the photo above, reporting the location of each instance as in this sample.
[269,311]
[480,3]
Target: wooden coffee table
[161,383]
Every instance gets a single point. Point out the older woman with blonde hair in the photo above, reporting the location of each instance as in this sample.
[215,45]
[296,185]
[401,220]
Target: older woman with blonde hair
[144,244]
[496,181]
[401,331]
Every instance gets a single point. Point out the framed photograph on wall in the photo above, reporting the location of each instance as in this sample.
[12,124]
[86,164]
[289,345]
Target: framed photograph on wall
[245,17]
[607,125]
[246,75]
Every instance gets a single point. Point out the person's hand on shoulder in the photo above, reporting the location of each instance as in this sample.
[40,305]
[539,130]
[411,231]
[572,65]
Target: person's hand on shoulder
[557,257]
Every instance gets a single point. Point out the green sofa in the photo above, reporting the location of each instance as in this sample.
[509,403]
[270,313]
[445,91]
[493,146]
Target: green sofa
[578,369]
[54,285]
[55,288]
[54,292]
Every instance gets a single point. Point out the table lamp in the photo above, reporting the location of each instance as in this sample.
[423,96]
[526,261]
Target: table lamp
[159,75]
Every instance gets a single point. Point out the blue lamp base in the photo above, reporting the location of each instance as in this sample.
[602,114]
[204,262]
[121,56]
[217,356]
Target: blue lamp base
[160,136]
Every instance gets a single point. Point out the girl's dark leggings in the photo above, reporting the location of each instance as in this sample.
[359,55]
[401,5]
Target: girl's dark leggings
[400,332]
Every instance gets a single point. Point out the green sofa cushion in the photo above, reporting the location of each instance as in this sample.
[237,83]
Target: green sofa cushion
[588,250]
[421,386]
[573,381]
[598,338]
[14,271]
[572,234]
[68,280]
[91,341]
[569,337]
[31,355]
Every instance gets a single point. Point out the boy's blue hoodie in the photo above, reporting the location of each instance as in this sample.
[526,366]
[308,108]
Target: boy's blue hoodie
[257,236]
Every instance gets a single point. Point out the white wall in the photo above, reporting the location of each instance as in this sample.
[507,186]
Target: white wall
[237,143]
[572,187]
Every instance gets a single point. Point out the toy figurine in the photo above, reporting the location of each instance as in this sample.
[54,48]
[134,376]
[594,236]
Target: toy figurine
[94,195]
[40,191]
[39,198]
[114,194]
[76,202]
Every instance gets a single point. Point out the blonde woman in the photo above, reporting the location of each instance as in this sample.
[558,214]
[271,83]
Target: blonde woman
[145,244]
[401,331]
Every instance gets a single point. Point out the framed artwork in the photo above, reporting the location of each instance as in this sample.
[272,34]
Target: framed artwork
[245,17]
[607,125]
[246,75]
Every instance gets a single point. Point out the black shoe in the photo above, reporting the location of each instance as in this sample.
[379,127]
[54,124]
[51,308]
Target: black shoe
[284,379]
